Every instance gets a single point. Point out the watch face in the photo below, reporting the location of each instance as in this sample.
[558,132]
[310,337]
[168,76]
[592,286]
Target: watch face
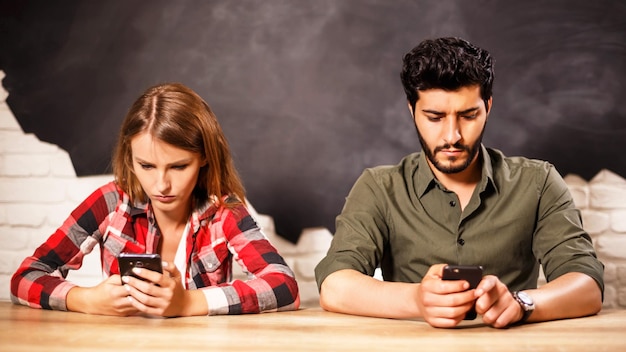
[525,298]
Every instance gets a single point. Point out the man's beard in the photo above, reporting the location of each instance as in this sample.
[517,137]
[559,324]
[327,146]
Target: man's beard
[471,150]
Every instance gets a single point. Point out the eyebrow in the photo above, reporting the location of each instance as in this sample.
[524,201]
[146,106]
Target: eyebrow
[178,162]
[458,112]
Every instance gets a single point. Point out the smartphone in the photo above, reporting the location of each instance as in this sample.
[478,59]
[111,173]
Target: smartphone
[128,261]
[470,273]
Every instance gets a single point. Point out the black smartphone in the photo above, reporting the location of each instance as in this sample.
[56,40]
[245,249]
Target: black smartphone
[470,273]
[128,261]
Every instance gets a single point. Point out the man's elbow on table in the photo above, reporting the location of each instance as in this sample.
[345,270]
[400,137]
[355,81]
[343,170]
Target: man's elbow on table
[333,289]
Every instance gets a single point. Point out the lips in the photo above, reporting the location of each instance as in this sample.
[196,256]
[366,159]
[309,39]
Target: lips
[165,199]
[452,152]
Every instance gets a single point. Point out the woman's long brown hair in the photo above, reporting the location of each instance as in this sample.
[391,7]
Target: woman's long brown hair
[178,116]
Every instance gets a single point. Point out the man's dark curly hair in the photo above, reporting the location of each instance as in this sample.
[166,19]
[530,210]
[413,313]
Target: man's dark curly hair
[449,64]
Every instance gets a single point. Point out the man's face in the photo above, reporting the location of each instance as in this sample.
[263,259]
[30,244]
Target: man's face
[450,126]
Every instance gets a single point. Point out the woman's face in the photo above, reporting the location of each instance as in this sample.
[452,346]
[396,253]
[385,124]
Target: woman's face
[167,174]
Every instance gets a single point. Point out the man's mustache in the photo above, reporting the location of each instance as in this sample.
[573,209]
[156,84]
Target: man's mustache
[449,146]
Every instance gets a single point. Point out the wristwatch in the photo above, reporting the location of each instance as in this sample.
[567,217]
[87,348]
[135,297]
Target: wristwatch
[526,302]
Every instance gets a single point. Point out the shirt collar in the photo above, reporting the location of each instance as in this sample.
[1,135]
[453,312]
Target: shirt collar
[139,208]
[487,176]
[201,211]
[425,178]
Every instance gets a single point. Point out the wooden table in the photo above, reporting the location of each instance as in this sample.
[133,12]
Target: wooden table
[26,329]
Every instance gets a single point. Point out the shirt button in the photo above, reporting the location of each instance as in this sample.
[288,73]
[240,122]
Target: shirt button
[210,265]
[452,203]
[460,241]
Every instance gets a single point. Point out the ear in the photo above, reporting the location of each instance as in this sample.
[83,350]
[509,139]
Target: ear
[408,103]
[489,104]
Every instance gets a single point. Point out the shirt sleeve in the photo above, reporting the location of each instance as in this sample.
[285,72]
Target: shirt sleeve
[561,244]
[361,231]
[39,281]
[271,285]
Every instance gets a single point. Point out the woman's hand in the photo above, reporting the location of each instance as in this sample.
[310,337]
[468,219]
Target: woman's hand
[161,295]
[107,298]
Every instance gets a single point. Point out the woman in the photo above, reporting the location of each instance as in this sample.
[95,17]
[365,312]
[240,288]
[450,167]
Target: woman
[176,193]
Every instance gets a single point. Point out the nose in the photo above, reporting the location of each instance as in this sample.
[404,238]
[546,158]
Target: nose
[163,183]
[452,132]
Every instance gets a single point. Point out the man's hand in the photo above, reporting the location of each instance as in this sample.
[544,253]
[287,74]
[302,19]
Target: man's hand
[496,304]
[443,303]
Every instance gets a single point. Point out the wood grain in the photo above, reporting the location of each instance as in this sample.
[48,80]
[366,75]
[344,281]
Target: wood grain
[309,329]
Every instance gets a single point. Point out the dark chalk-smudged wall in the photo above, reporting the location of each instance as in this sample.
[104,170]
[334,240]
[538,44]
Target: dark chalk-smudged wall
[308,91]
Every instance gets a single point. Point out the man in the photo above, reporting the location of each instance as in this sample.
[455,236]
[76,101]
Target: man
[458,202]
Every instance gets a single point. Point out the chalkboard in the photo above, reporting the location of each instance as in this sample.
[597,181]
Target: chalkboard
[308,92]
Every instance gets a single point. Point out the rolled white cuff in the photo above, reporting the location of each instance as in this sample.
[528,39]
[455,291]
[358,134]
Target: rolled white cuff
[216,300]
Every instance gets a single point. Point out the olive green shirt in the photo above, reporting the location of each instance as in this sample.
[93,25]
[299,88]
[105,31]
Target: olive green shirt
[520,216]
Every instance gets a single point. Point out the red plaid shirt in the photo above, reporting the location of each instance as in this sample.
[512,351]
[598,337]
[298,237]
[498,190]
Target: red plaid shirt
[216,236]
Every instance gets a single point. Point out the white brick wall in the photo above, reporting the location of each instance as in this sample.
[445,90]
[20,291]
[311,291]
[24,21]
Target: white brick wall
[39,187]
[603,205]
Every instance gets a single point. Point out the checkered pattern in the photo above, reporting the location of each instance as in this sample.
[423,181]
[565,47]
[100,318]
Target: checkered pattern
[217,237]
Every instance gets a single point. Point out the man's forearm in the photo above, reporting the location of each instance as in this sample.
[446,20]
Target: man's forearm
[351,292]
[569,296]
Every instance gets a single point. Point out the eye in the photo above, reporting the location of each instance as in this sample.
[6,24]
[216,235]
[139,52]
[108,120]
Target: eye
[434,118]
[179,167]
[146,166]
[470,116]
